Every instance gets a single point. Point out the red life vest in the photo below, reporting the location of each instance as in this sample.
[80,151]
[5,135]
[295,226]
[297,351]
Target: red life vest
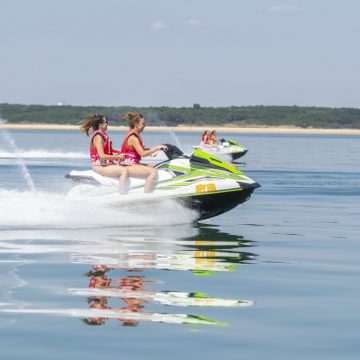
[99,281]
[212,139]
[94,156]
[204,138]
[131,155]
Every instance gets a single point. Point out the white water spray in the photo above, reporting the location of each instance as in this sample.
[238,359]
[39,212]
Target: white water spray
[159,122]
[10,141]
[176,139]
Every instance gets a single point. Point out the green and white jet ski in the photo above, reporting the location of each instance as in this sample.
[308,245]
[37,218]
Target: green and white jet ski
[224,147]
[199,182]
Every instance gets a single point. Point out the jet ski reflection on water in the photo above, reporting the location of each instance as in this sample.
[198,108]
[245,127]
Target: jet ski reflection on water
[224,147]
[200,182]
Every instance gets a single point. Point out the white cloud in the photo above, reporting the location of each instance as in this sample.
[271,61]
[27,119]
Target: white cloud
[193,23]
[289,9]
[158,26]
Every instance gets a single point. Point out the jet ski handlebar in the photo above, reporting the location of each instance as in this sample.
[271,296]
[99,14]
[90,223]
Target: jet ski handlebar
[172,152]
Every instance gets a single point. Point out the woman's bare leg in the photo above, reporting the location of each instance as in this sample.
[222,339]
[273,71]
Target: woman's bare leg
[141,171]
[122,181]
[114,170]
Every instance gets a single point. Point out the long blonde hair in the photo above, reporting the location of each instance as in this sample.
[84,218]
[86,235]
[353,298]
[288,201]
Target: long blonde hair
[132,118]
[92,121]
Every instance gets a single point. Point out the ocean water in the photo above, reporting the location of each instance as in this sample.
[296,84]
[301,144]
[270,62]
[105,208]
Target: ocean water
[275,278]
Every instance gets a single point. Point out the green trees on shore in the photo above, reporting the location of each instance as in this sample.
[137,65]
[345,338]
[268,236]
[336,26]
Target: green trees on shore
[243,116]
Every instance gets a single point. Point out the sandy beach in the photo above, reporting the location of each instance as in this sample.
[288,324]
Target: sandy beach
[244,130]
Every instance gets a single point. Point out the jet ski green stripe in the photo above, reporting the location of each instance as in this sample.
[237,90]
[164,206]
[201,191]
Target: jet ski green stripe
[215,161]
[197,171]
[196,177]
[204,193]
[228,169]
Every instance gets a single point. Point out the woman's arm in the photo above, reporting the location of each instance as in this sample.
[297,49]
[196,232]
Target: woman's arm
[135,143]
[98,142]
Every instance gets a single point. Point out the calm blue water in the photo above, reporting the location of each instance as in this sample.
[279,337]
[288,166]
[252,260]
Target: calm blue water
[280,272]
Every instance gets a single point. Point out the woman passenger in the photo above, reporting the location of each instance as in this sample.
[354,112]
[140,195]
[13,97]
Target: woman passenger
[134,149]
[204,138]
[103,159]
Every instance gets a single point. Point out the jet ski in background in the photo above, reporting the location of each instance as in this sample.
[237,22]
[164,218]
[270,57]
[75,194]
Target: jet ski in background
[224,147]
[200,182]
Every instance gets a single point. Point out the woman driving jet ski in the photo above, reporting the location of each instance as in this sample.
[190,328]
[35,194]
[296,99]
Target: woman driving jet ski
[212,138]
[103,158]
[134,149]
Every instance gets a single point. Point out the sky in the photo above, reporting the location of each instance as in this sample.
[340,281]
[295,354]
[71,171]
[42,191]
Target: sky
[180,52]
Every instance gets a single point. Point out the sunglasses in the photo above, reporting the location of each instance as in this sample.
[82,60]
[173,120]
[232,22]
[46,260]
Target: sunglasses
[102,119]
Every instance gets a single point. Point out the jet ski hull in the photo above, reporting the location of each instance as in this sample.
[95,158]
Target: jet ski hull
[238,155]
[206,205]
[210,205]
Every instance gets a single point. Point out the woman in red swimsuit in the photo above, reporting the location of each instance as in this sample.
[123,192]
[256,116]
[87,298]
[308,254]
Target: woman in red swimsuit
[205,137]
[104,160]
[134,149]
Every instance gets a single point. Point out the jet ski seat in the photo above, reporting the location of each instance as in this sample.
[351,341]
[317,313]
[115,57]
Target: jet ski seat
[91,177]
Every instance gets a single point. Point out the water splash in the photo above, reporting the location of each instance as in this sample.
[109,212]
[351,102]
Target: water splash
[42,154]
[158,122]
[177,141]
[29,210]
[19,160]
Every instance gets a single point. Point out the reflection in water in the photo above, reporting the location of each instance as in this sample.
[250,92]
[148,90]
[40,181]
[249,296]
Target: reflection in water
[217,251]
[205,251]
[127,290]
[118,285]
[131,291]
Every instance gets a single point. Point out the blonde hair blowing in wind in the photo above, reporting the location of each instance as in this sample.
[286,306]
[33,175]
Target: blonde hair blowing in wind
[132,118]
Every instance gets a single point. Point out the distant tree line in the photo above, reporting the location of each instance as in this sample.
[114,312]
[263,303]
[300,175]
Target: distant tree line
[242,116]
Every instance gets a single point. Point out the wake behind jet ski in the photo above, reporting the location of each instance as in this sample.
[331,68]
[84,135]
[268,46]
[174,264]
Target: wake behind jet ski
[224,147]
[199,182]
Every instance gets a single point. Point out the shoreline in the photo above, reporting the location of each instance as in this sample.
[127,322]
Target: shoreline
[219,129]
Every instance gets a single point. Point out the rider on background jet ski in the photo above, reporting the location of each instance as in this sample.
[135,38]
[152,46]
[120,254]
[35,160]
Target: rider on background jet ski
[212,138]
[205,138]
